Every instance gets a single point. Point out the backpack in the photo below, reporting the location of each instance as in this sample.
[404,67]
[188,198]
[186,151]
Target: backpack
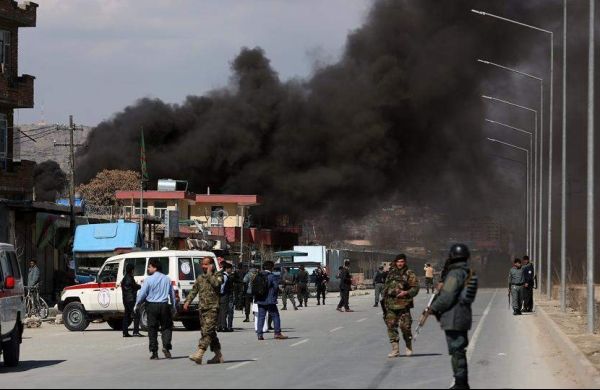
[469,291]
[260,286]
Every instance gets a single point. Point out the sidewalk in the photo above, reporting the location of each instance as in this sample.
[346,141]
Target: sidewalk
[581,348]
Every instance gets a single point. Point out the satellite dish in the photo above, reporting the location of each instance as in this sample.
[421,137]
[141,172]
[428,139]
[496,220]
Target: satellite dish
[222,214]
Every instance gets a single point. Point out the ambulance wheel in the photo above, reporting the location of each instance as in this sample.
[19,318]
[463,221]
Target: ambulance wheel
[116,324]
[11,349]
[191,324]
[75,317]
[143,318]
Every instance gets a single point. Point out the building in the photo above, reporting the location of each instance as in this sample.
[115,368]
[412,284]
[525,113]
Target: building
[16,177]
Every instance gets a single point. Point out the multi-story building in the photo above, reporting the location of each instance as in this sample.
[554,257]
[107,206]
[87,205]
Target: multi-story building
[16,177]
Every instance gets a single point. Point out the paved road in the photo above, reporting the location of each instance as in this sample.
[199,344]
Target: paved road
[325,349]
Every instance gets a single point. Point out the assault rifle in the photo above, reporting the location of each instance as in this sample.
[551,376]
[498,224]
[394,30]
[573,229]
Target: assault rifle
[425,315]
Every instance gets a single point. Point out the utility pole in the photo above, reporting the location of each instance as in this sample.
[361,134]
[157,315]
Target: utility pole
[590,176]
[71,145]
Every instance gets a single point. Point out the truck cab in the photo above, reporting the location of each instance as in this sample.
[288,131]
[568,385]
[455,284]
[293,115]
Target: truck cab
[12,307]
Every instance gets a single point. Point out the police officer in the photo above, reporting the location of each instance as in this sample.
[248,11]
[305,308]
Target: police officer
[321,280]
[129,287]
[453,309]
[528,270]
[401,286]
[288,283]
[516,281]
[302,286]
[379,281]
[208,286]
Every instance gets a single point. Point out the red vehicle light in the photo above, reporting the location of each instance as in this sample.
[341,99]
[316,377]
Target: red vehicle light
[9,283]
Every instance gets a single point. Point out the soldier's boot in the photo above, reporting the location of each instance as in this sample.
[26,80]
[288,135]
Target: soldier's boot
[395,350]
[217,359]
[197,356]
[409,349]
[461,384]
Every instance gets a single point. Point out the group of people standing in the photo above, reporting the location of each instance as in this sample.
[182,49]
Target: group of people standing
[521,282]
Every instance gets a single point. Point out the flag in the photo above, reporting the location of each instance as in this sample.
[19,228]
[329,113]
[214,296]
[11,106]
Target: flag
[143,159]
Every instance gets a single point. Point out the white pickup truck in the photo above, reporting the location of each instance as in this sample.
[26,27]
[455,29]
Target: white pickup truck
[12,306]
[103,298]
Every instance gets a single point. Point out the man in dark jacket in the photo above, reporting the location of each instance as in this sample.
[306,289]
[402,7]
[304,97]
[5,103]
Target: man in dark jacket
[130,288]
[453,309]
[529,273]
[321,280]
[268,304]
[379,281]
[302,286]
[345,286]
[226,302]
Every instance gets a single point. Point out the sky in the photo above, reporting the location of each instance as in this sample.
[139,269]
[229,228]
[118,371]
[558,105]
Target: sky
[92,58]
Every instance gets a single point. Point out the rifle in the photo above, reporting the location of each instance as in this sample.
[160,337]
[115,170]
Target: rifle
[424,315]
[509,305]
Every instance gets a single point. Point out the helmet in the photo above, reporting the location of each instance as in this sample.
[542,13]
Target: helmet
[459,252]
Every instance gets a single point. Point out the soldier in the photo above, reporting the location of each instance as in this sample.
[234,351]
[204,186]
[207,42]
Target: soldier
[288,282]
[401,286]
[453,309]
[208,286]
[302,286]
[516,281]
[529,272]
[321,280]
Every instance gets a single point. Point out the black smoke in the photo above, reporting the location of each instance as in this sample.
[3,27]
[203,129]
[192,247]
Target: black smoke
[399,116]
[49,181]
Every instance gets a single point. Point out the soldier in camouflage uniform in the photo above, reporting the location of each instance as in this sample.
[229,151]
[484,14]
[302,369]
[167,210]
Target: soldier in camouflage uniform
[288,286]
[208,287]
[401,286]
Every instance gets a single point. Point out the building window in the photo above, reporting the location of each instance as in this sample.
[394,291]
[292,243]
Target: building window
[127,209]
[217,216]
[4,50]
[160,210]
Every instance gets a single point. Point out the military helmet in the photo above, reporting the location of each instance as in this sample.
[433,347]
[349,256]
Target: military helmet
[459,252]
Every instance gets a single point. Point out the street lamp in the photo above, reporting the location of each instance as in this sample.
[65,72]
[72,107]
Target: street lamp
[536,154]
[536,249]
[590,177]
[530,134]
[521,149]
[550,141]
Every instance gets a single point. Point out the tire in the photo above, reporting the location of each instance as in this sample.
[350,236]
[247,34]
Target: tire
[44,310]
[191,324]
[75,317]
[12,348]
[143,318]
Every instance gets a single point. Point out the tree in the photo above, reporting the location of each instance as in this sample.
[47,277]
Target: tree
[101,190]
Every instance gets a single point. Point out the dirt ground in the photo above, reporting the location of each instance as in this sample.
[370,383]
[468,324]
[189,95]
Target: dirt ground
[573,324]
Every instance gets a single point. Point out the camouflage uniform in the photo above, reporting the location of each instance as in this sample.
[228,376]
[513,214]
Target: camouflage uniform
[397,309]
[288,282]
[208,287]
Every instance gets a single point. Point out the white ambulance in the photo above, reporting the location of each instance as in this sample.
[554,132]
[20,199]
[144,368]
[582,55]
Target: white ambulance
[12,307]
[103,298]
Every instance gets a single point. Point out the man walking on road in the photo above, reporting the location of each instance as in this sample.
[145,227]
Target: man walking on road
[248,299]
[159,296]
[208,287]
[129,287]
[453,309]
[528,270]
[227,300]
[429,278]
[321,280]
[401,286]
[268,302]
[302,286]
[379,281]
[345,286]
[288,283]
[516,281]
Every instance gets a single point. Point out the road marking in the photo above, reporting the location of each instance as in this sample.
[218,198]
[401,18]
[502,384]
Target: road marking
[362,319]
[242,364]
[299,342]
[336,329]
[131,346]
[480,327]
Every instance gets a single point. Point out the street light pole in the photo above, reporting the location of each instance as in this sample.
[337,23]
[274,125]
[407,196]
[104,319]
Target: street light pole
[535,151]
[530,134]
[563,198]
[590,177]
[550,145]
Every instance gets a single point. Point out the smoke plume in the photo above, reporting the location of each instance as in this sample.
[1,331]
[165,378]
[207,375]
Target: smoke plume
[49,180]
[399,116]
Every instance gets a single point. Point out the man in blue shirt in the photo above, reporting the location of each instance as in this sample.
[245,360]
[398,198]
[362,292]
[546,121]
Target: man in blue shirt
[268,303]
[158,294]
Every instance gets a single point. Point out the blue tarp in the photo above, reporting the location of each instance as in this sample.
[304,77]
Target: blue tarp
[105,237]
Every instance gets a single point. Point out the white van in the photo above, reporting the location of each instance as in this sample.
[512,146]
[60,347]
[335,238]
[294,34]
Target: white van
[103,298]
[12,306]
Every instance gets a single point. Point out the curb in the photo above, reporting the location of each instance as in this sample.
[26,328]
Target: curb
[586,372]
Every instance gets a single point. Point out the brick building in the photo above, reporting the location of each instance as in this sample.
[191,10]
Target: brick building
[16,178]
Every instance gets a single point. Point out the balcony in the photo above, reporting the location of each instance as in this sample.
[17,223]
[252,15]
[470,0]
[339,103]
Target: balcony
[17,93]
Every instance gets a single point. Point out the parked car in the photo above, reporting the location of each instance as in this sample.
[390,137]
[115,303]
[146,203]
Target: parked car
[12,307]
[103,298]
